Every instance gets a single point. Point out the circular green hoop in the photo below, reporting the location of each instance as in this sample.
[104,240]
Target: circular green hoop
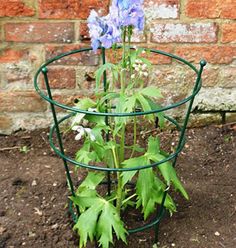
[107,169]
[43,68]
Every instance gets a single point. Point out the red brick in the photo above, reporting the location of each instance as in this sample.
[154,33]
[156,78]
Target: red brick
[83,58]
[161,9]
[181,32]
[228,9]
[21,102]
[71,9]
[203,8]
[40,32]
[12,8]
[11,55]
[61,78]
[211,9]
[228,33]
[213,54]
[84,32]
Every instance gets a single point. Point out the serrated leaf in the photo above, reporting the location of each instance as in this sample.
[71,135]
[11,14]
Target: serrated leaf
[100,71]
[86,103]
[109,220]
[91,181]
[169,173]
[144,190]
[151,91]
[87,222]
[153,145]
[129,163]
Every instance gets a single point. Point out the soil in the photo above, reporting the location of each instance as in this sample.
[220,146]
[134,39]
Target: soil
[34,194]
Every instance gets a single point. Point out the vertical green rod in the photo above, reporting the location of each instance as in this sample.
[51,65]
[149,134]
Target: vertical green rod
[45,71]
[106,117]
[198,81]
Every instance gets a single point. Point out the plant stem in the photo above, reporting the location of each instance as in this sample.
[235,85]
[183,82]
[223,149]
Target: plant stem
[119,185]
[135,136]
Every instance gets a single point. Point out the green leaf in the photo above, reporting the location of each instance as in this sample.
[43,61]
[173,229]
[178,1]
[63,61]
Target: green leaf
[130,163]
[91,181]
[160,115]
[86,103]
[153,145]
[101,70]
[109,220]
[151,91]
[169,173]
[144,191]
[150,191]
[87,222]
[129,104]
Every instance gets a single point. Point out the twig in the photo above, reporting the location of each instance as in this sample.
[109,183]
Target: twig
[9,148]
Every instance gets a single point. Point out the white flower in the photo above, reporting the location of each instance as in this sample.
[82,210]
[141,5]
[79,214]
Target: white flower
[83,131]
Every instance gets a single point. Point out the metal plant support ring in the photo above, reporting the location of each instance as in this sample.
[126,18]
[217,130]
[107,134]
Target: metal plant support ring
[55,129]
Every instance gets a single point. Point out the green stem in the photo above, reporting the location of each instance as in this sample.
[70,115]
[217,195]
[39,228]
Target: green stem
[122,144]
[135,136]
[119,185]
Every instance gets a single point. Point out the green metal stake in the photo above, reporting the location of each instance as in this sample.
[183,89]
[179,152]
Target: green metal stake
[70,183]
[198,81]
[106,117]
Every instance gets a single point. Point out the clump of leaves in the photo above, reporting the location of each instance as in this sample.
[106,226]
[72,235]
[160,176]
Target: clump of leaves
[100,215]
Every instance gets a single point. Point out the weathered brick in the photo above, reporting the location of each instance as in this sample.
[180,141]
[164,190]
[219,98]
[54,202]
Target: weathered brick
[213,54]
[228,33]
[84,32]
[40,32]
[61,78]
[82,58]
[12,8]
[161,9]
[203,8]
[228,77]
[210,76]
[181,32]
[5,122]
[71,9]
[9,55]
[228,8]
[20,101]
[211,9]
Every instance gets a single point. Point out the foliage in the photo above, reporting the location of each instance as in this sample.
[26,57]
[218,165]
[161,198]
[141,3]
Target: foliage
[100,215]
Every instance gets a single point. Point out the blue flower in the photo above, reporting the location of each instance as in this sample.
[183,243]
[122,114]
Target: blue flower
[130,13]
[103,31]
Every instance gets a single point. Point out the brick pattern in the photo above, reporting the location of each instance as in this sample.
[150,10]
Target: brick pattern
[29,36]
[13,8]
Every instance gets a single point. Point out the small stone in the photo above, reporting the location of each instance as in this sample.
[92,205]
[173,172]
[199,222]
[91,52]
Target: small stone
[54,184]
[32,235]
[217,233]
[173,244]
[55,226]
[34,183]
[37,211]
[2,230]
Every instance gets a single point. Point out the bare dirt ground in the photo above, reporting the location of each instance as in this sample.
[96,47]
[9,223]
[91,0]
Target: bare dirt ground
[34,194]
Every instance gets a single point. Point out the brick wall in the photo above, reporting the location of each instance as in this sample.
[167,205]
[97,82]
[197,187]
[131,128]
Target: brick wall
[32,31]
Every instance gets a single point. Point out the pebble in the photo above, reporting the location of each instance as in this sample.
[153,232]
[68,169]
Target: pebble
[217,233]
[55,226]
[34,183]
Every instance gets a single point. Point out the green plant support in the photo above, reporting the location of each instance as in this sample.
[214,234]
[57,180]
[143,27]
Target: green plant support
[55,129]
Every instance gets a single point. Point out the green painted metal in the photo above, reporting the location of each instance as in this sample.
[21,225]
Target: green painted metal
[55,129]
